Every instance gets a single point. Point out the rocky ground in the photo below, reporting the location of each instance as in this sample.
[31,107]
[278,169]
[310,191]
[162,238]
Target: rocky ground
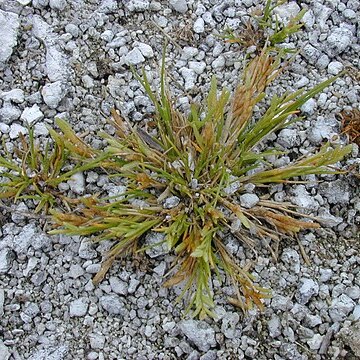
[70,59]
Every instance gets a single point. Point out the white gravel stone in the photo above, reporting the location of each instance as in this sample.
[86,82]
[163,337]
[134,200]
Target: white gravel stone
[309,107]
[16,96]
[53,93]
[218,63]
[356,313]
[338,40]
[97,341]
[112,304]
[335,67]
[315,342]
[15,130]
[134,57]
[2,300]
[303,199]
[307,290]
[6,258]
[137,5]
[341,307]
[32,115]
[57,4]
[76,271]
[199,26]
[287,138]
[77,183]
[287,11]
[189,76]
[228,326]
[292,258]
[9,113]
[86,250]
[201,334]
[4,351]
[249,200]
[87,81]
[156,244]
[274,326]
[197,66]
[78,307]
[118,286]
[179,5]
[9,27]
[328,220]
[171,202]
[145,49]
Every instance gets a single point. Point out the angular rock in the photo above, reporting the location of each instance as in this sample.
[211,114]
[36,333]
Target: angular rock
[9,113]
[77,183]
[341,307]
[228,326]
[78,307]
[2,300]
[307,290]
[201,334]
[112,304]
[338,41]
[136,5]
[32,115]
[134,57]
[16,96]
[156,246]
[248,201]
[9,27]
[4,352]
[179,6]
[53,93]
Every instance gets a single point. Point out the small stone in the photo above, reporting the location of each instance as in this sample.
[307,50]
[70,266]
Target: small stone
[9,27]
[156,244]
[77,183]
[309,107]
[356,313]
[179,6]
[97,341]
[218,63]
[280,302]
[315,342]
[32,115]
[57,4]
[307,290]
[39,277]
[112,304]
[171,202]
[88,81]
[53,93]
[197,66]
[9,113]
[16,130]
[287,11]
[86,250]
[4,352]
[335,67]
[336,192]
[327,219]
[2,300]
[137,5]
[16,96]
[118,286]
[228,326]
[274,326]
[287,138]
[189,76]
[199,25]
[311,53]
[341,307]
[189,52]
[338,40]
[76,271]
[78,307]
[72,29]
[146,50]
[201,334]
[248,201]
[134,57]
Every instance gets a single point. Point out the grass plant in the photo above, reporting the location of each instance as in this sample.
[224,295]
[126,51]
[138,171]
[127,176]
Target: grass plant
[184,181]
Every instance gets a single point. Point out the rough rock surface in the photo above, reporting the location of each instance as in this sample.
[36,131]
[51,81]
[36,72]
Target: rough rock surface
[72,59]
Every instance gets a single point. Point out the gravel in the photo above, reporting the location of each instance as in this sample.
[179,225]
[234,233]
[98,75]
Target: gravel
[72,59]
